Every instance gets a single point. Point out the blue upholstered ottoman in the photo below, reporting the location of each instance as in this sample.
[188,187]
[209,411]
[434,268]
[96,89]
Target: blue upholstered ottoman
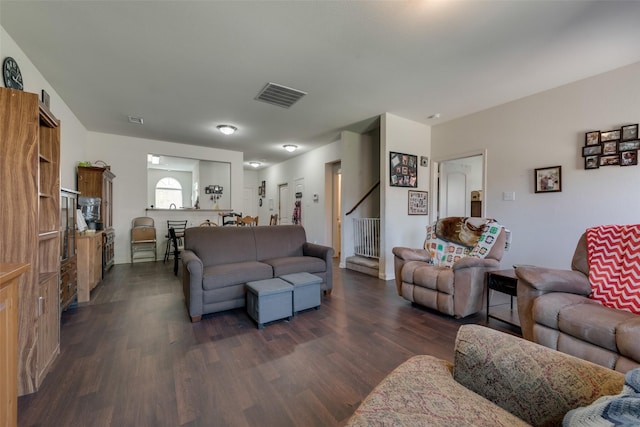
[269,300]
[306,290]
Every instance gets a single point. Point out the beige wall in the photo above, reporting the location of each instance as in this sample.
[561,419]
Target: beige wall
[548,129]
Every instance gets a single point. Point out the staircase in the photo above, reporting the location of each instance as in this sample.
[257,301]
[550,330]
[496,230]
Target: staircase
[366,246]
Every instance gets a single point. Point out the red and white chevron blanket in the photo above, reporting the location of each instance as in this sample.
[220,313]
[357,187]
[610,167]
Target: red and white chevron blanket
[614,266]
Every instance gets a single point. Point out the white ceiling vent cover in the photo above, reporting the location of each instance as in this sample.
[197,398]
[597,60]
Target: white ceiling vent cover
[279,95]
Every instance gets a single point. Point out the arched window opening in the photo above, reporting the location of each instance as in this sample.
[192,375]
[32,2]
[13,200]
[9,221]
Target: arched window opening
[168,193]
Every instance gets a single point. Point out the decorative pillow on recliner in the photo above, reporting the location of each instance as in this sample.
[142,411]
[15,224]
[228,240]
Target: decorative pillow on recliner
[613,253]
[443,254]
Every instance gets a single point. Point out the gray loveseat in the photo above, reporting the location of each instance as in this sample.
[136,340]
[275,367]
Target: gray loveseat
[555,310]
[219,261]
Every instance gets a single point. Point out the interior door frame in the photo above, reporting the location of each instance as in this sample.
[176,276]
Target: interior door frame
[435,181]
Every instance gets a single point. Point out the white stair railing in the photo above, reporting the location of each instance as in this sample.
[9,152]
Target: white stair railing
[367,237]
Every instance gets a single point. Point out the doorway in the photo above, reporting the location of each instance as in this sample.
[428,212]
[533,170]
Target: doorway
[454,180]
[284,216]
[336,226]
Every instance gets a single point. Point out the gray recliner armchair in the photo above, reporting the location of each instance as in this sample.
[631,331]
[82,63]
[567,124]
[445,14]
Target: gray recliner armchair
[555,310]
[457,290]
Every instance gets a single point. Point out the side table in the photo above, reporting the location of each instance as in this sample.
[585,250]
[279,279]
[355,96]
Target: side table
[506,282]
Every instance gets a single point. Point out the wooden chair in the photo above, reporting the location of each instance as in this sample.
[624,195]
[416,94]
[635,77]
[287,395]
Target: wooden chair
[248,221]
[273,220]
[208,223]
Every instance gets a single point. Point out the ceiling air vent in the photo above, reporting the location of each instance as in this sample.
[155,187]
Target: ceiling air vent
[281,96]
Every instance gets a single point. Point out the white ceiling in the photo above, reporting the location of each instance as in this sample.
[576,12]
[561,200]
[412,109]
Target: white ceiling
[187,66]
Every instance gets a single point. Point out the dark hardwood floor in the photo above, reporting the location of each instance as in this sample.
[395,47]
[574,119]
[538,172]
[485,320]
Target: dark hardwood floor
[132,358]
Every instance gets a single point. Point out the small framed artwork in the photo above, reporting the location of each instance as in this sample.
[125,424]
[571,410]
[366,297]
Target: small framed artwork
[629,145]
[403,170]
[548,180]
[592,138]
[610,160]
[609,147]
[629,158]
[418,202]
[591,150]
[592,162]
[629,132]
[610,135]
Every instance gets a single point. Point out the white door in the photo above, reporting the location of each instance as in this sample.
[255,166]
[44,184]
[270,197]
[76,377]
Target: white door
[249,202]
[455,181]
[285,208]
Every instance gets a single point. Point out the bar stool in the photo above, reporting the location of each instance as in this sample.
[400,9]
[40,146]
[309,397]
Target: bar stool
[179,227]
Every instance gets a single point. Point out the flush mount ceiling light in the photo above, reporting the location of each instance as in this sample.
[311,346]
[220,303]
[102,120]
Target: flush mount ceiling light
[227,129]
[434,116]
[290,147]
[255,164]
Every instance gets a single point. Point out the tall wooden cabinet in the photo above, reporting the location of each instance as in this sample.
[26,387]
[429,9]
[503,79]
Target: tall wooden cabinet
[9,274]
[98,182]
[29,227]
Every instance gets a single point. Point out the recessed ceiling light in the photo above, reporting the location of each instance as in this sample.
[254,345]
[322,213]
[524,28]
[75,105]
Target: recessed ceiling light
[290,147]
[255,164]
[227,129]
[135,120]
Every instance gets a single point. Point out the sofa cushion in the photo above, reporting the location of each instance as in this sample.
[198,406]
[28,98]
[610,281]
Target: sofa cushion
[629,338]
[593,323]
[219,276]
[546,308]
[278,242]
[221,245]
[296,264]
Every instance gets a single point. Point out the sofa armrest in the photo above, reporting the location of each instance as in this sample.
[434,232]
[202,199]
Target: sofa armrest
[537,384]
[536,281]
[325,253]
[410,254]
[192,284]
[488,264]
[552,280]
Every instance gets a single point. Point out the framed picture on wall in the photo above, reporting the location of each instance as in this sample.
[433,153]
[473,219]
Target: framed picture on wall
[610,135]
[418,202]
[629,145]
[591,150]
[629,132]
[592,162]
[403,170]
[592,138]
[629,158]
[548,180]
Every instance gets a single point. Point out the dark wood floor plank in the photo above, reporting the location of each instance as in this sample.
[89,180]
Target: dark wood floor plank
[132,357]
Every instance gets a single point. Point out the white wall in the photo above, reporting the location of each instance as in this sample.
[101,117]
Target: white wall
[548,129]
[128,160]
[310,167]
[73,134]
[398,228]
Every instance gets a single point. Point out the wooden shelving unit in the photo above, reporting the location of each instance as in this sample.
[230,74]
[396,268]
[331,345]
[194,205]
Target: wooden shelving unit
[29,225]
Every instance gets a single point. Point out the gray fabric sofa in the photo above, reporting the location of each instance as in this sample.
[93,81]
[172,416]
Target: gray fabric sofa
[555,310]
[219,261]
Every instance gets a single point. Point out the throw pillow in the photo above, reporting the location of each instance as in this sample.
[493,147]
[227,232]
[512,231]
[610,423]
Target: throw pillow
[613,253]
